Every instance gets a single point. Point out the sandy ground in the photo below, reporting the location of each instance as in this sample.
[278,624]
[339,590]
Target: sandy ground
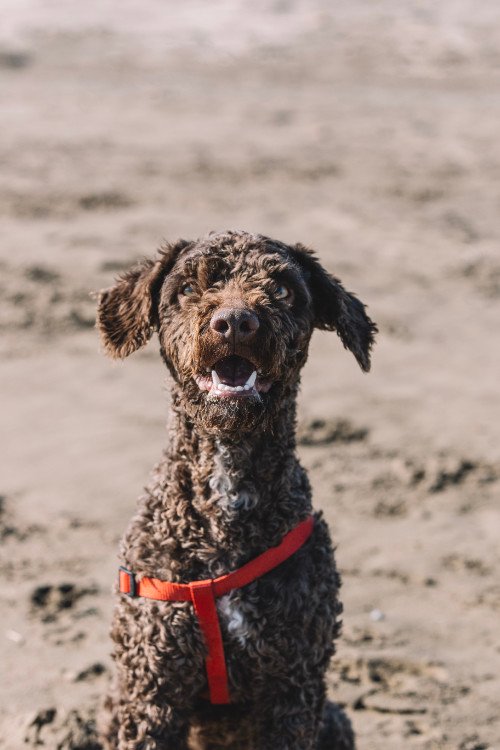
[368,130]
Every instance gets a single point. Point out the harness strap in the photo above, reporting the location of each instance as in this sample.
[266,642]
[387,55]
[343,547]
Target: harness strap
[203,594]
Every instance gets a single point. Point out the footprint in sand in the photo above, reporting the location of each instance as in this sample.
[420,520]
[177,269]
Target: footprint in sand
[64,730]
[49,601]
[326,431]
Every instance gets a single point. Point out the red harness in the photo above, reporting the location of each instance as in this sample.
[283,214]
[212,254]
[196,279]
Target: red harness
[203,594]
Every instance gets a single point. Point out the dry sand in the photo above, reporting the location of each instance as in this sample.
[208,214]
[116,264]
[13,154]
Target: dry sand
[367,130]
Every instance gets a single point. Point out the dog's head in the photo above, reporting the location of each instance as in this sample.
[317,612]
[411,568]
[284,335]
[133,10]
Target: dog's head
[234,313]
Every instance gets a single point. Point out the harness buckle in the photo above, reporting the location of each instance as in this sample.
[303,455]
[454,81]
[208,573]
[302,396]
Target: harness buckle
[132,589]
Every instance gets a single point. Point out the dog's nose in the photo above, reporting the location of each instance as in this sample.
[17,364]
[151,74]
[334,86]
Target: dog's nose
[235,323]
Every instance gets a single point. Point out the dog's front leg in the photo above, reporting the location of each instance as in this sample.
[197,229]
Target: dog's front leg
[158,675]
[141,725]
[290,717]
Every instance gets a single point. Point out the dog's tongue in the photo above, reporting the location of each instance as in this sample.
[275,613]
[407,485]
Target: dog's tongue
[233,370]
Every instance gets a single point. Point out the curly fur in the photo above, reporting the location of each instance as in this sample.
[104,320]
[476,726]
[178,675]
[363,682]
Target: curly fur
[228,487]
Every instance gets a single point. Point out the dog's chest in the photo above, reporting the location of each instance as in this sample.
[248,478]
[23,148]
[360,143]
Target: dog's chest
[234,492]
[233,618]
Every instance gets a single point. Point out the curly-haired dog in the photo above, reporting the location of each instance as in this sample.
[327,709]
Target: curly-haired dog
[234,314]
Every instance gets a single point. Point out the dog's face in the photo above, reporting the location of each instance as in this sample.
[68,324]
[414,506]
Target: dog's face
[234,314]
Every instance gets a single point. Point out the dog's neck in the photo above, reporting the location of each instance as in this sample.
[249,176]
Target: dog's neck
[221,499]
[236,475]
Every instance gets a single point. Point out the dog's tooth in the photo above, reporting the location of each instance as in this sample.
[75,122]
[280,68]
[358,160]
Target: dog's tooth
[215,379]
[251,380]
[239,388]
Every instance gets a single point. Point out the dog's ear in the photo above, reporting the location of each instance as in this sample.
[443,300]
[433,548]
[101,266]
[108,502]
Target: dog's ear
[127,313]
[335,309]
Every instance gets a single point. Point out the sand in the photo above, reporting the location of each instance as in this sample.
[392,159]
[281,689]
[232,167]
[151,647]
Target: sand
[366,130]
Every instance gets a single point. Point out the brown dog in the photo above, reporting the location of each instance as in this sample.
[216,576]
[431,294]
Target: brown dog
[234,314]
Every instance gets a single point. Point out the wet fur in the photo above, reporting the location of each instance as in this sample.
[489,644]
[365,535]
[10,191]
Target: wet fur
[228,487]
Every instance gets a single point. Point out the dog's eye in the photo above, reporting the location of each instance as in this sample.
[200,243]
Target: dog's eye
[282,292]
[187,290]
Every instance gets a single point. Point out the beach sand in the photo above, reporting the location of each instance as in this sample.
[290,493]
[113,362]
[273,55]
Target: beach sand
[368,131]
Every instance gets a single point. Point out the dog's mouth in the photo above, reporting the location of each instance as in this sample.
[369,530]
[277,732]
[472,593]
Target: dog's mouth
[233,377]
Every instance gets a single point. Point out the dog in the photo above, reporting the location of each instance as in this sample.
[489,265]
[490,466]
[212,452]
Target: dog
[228,604]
